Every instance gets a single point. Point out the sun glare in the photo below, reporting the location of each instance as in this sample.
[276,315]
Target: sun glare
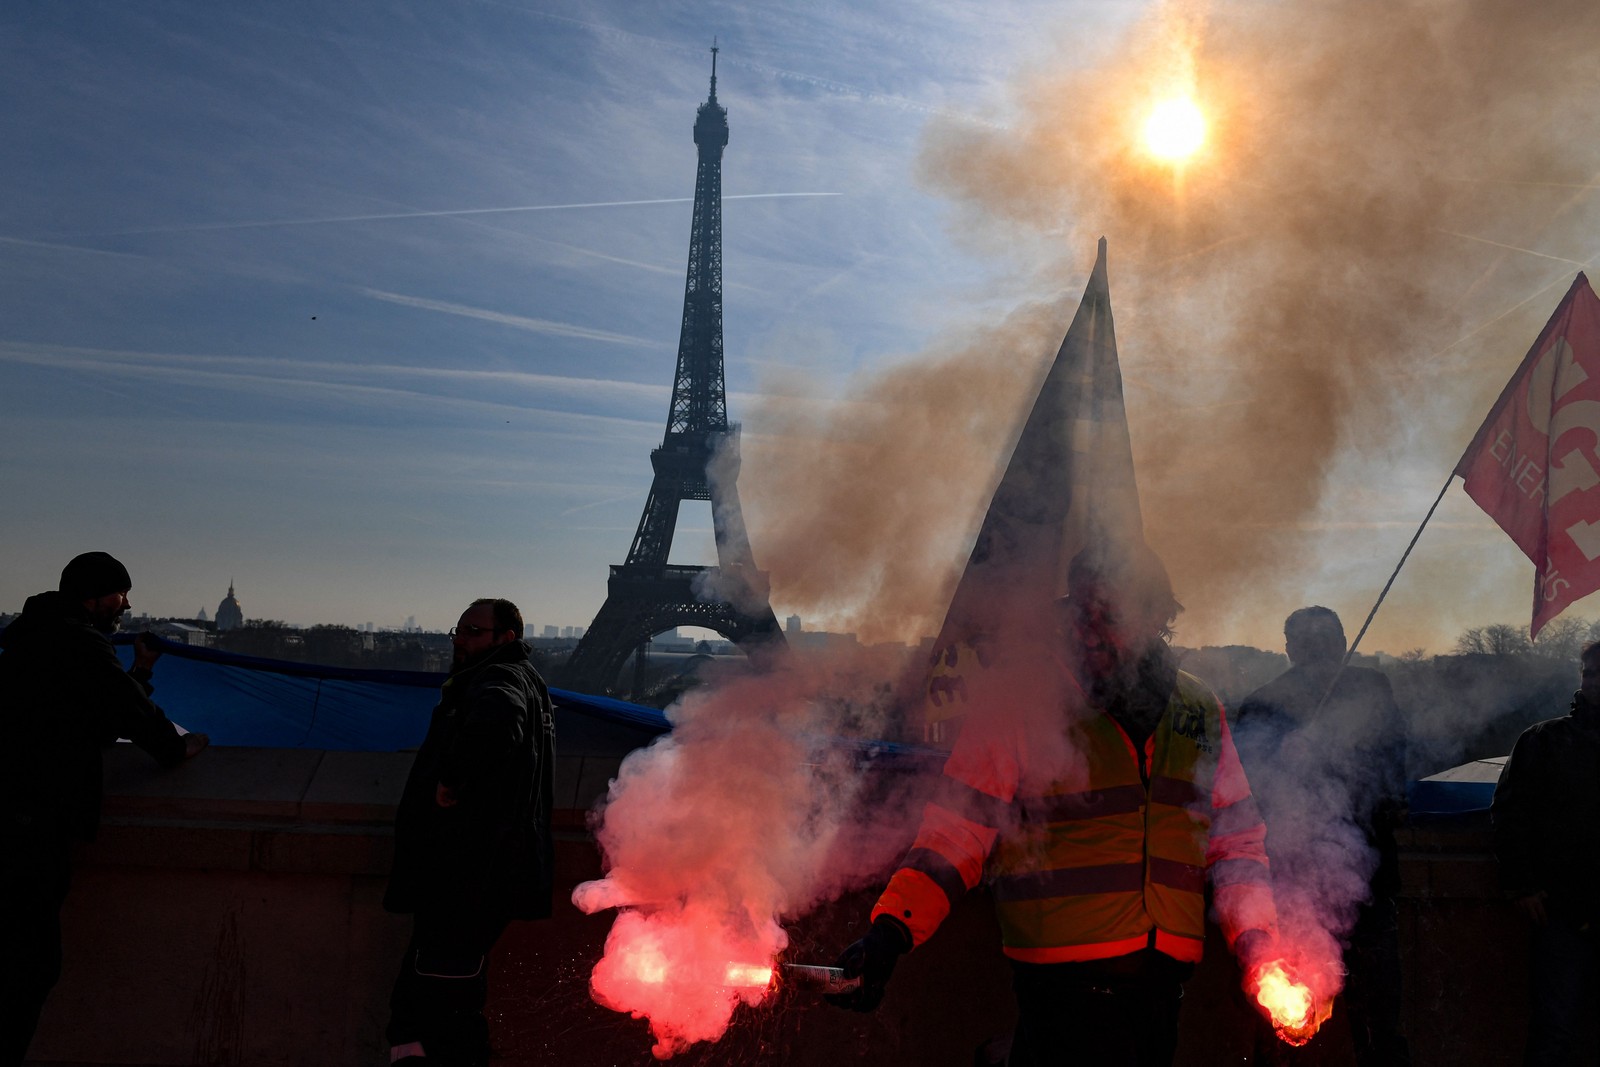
[1175,129]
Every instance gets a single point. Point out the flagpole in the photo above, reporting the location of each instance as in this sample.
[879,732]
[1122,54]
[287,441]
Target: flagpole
[1351,651]
[1405,556]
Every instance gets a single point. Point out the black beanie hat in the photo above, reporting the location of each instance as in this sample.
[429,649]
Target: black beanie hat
[94,574]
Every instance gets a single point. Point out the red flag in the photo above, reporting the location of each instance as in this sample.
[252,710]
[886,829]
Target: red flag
[1534,465]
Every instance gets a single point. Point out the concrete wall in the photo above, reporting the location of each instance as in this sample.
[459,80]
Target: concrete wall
[229,914]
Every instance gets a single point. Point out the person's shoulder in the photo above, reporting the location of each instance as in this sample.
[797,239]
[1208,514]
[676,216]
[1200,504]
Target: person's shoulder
[1549,729]
[1192,690]
[1282,690]
[56,635]
[515,671]
[1359,678]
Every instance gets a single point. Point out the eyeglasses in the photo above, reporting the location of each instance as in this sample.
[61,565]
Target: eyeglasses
[469,630]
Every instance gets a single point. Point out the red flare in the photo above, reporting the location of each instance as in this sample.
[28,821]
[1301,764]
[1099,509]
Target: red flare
[749,975]
[1296,1012]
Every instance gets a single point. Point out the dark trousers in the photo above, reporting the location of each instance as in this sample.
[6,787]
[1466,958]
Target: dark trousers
[443,984]
[1105,1013]
[1566,965]
[1370,1000]
[34,874]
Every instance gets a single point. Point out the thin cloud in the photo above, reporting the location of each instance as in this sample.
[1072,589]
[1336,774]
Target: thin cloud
[521,322]
[228,372]
[58,246]
[205,227]
[629,38]
[1511,248]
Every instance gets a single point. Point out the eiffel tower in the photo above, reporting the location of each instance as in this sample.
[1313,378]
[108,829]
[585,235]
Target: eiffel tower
[647,595]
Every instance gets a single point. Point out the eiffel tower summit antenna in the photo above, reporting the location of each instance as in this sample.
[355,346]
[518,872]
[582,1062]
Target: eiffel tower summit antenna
[648,595]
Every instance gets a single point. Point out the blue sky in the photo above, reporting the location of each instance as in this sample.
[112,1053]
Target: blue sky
[372,307]
[365,420]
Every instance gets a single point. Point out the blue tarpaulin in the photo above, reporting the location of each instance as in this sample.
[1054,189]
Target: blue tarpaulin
[1462,790]
[250,701]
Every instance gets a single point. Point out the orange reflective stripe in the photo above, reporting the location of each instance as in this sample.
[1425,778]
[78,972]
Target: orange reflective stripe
[961,841]
[914,899]
[1179,947]
[1236,818]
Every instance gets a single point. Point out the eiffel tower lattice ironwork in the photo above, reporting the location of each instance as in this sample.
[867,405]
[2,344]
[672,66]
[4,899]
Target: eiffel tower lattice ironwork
[647,595]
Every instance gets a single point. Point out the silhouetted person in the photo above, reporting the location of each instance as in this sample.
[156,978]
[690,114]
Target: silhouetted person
[63,697]
[472,838]
[1095,814]
[1547,836]
[1307,748]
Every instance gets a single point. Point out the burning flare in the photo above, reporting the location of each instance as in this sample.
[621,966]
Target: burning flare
[683,972]
[749,975]
[1295,1013]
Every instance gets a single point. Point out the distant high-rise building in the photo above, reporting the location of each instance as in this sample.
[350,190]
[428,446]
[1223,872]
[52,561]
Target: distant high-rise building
[411,624]
[792,624]
[230,616]
[552,631]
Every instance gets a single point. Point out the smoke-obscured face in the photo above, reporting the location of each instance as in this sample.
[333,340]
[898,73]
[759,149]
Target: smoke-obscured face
[1108,633]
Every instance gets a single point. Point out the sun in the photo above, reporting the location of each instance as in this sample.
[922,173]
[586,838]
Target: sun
[1175,129]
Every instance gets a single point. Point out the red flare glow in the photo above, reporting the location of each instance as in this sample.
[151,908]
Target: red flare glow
[1295,1012]
[683,973]
[749,975]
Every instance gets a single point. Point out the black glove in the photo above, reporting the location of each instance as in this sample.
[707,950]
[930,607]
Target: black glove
[872,959]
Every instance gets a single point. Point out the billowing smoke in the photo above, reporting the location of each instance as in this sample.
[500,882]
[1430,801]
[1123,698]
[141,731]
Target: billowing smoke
[744,816]
[1336,278]
[869,502]
[1392,198]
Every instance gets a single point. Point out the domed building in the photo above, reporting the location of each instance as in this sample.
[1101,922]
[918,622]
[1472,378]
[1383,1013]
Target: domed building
[230,616]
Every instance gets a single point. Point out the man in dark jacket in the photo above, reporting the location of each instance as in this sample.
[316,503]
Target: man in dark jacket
[1546,816]
[1332,762]
[472,838]
[63,697]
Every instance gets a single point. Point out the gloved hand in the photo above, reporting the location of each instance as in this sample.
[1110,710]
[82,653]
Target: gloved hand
[872,959]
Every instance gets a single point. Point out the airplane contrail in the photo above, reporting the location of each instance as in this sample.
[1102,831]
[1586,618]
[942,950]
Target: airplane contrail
[1510,248]
[206,226]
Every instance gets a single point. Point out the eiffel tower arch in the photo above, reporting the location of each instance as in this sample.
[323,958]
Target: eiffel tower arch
[648,595]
